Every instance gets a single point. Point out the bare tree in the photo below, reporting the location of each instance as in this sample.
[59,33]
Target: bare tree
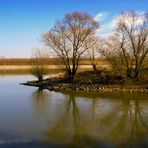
[132,39]
[127,49]
[38,62]
[68,37]
[95,44]
[109,50]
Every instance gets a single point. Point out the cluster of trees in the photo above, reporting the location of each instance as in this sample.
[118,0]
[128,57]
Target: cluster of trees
[126,49]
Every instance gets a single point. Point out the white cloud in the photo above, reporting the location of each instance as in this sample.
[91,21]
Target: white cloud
[109,26]
[100,16]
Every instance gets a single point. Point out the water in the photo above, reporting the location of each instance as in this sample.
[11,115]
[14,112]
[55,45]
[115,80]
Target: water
[33,118]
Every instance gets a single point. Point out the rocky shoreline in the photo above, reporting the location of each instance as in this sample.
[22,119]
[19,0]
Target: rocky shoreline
[60,86]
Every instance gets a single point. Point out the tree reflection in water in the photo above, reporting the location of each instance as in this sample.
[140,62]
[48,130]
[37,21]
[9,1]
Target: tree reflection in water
[131,128]
[40,101]
[100,123]
[68,129]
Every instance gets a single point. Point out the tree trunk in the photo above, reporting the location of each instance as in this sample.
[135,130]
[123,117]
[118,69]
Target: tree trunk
[136,74]
[40,78]
[128,73]
[71,74]
[94,67]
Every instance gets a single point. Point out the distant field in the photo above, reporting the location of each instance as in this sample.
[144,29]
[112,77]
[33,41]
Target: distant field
[48,61]
[23,66]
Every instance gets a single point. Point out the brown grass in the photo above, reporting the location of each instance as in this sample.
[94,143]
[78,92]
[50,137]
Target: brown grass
[23,65]
[49,61]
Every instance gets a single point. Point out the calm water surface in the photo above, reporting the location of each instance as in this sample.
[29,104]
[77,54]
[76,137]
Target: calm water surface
[33,118]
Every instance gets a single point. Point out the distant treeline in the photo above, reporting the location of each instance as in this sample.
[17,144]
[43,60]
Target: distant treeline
[48,61]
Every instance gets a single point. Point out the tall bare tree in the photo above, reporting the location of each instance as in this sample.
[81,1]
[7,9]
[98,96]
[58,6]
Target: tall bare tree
[127,48]
[132,38]
[68,37]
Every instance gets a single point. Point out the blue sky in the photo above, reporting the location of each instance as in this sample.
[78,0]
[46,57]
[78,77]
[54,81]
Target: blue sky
[23,21]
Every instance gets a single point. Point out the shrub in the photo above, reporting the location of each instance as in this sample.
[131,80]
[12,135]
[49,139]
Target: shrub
[39,68]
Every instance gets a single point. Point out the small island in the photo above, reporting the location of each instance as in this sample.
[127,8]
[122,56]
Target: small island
[95,81]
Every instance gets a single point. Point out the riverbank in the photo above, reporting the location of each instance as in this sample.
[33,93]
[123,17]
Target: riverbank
[86,87]
[62,84]
[97,81]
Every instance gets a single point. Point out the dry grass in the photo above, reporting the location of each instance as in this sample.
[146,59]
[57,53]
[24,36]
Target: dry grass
[23,65]
[48,61]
